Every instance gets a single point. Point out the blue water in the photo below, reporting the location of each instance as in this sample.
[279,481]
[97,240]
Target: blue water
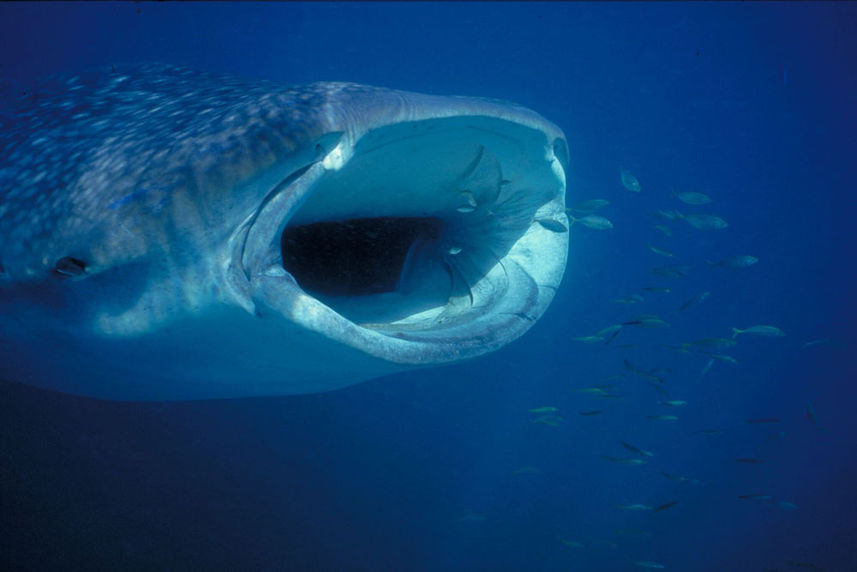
[754,104]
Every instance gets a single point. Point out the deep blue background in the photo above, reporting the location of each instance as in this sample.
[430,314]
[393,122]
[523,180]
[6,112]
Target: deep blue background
[754,104]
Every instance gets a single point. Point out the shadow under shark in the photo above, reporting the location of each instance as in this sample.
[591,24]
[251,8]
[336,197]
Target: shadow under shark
[169,234]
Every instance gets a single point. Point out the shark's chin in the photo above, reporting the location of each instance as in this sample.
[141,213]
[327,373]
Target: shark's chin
[419,242]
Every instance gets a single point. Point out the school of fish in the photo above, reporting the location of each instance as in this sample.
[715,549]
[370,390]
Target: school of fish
[667,409]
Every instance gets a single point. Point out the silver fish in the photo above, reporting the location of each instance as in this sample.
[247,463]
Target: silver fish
[663,229]
[740,261]
[552,225]
[593,221]
[629,181]
[692,198]
[671,271]
[705,221]
[762,330]
[661,251]
[632,299]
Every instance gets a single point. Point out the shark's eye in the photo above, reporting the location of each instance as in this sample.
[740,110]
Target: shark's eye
[68,266]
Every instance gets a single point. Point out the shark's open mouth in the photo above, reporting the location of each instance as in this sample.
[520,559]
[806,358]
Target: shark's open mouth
[421,242]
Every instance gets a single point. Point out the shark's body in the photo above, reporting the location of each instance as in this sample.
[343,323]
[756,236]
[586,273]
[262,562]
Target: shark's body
[169,234]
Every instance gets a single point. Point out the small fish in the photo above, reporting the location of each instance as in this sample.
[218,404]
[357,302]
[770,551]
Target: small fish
[670,214]
[572,543]
[593,221]
[763,420]
[682,349]
[749,460]
[590,413]
[656,289]
[647,321]
[594,390]
[527,471]
[543,410]
[787,505]
[588,339]
[758,497]
[635,506]
[769,331]
[653,322]
[661,251]
[714,343]
[632,299]
[590,206]
[614,331]
[696,300]
[637,450]
[704,221]
[664,506]
[721,357]
[629,181]
[609,330]
[553,225]
[816,342]
[624,460]
[649,564]
[642,373]
[671,271]
[740,261]
[692,198]
[674,403]
[453,250]
[663,417]
[664,229]
[551,420]
[470,202]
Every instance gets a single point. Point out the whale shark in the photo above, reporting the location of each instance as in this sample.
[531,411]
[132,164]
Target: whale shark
[172,234]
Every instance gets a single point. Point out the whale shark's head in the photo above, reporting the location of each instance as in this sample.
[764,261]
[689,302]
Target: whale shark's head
[168,234]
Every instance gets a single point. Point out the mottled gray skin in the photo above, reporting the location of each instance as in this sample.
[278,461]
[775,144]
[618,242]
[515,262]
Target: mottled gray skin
[140,213]
[93,164]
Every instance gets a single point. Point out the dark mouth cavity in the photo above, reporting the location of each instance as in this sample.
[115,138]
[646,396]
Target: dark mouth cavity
[355,257]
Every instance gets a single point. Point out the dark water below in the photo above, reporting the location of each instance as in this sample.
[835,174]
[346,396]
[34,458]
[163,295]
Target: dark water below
[754,104]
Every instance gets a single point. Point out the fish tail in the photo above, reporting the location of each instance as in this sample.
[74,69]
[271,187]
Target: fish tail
[735,332]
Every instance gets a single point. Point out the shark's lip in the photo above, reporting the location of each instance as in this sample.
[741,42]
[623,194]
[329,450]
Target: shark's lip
[501,265]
